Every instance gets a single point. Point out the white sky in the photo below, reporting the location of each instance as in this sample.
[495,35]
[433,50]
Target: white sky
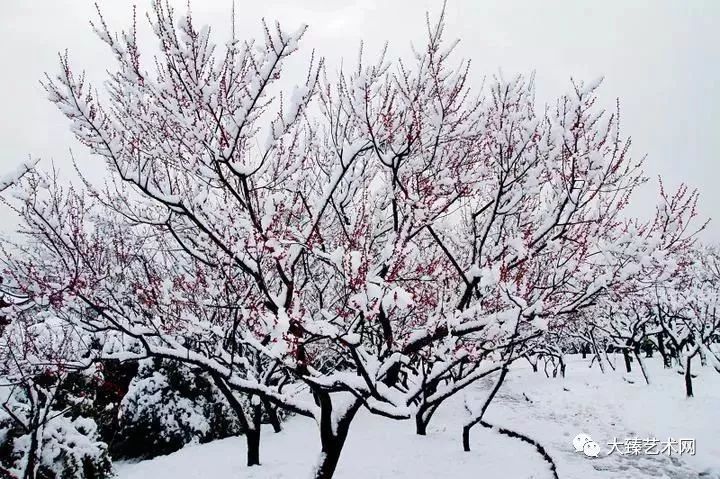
[660,57]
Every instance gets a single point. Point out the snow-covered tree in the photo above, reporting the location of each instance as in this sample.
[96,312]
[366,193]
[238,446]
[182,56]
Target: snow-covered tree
[381,239]
[10,178]
[41,434]
[686,311]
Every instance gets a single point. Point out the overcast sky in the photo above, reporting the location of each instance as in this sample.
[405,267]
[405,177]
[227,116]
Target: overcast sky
[660,57]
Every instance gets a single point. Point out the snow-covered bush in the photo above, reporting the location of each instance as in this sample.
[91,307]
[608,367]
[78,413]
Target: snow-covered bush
[43,432]
[49,442]
[107,390]
[167,406]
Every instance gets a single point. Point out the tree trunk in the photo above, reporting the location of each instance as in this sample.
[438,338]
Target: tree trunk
[610,363]
[330,457]
[641,363]
[533,362]
[251,429]
[252,438]
[420,425]
[332,436]
[32,463]
[675,354]
[662,351]
[597,353]
[628,365]
[486,404]
[253,433]
[272,416]
[688,377]
[599,360]
[426,410]
[423,416]
[466,438]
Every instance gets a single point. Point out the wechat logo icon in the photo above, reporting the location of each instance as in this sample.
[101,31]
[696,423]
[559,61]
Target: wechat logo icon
[584,443]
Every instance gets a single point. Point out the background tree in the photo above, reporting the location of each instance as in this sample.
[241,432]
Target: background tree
[41,433]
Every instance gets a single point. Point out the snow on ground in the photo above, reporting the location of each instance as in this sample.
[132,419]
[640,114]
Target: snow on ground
[609,408]
[552,411]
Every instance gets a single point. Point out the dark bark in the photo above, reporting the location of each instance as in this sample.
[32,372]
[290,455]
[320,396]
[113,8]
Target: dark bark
[253,434]
[273,418]
[332,438]
[556,362]
[610,363]
[688,377]
[251,430]
[642,368]
[486,404]
[596,350]
[662,351]
[423,416]
[31,466]
[4,472]
[426,410]
[628,365]
[252,438]
[533,362]
[420,425]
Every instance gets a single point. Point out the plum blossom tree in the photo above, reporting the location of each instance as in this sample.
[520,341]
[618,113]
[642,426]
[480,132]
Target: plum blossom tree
[7,180]
[40,433]
[12,177]
[380,240]
[686,311]
[628,324]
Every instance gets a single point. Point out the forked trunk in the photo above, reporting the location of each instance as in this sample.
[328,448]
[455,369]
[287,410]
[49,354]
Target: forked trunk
[250,427]
[272,415]
[333,433]
[486,404]
[422,418]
